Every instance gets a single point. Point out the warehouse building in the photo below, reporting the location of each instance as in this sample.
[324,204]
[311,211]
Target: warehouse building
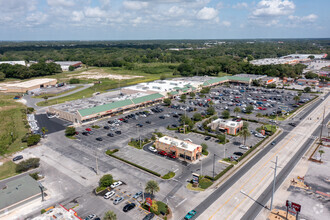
[18,192]
[227,79]
[24,87]
[21,62]
[66,64]
[184,150]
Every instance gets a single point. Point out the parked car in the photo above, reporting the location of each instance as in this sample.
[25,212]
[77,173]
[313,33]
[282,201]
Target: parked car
[116,184]
[148,122]
[88,129]
[171,156]
[19,157]
[149,216]
[84,133]
[292,124]
[99,139]
[162,117]
[106,127]
[118,200]
[243,147]
[118,132]
[274,143]
[110,134]
[90,217]
[139,125]
[190,214]
[137,195]
[238,153]
[207,138]
[152,149]
[162,153]
[108,195]
[128,207]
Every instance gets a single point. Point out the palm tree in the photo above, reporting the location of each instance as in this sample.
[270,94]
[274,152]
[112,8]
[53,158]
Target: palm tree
[245,133]
[110,215]
[321,152]
[152,187]
[296,98]
[237,110]
[44,130]
[45,98]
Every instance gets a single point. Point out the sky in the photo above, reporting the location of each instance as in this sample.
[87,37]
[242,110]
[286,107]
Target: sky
[162,19]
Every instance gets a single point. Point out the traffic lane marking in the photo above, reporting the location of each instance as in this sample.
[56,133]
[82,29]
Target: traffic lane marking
[251,177]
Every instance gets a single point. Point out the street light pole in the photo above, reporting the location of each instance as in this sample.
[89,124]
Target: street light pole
[213,164]
[322,124]
[142,192]
[201,166]
[274,183]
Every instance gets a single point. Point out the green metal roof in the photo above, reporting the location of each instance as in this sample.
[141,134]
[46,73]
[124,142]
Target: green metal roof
[177,88]
[147,98]
[193,88]
[185,89]
[239,78]
[174,93]
[103,108]
[188,86]
[18,190]
[215,80]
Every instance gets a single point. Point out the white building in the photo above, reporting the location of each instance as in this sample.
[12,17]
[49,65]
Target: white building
[14,62]
[231,127]
[66,64]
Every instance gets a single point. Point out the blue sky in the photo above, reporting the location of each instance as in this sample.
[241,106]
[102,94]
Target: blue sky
[162,19]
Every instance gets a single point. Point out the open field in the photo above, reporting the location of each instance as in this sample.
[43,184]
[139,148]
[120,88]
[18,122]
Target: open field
[58,94]
[7,169]
[12,124]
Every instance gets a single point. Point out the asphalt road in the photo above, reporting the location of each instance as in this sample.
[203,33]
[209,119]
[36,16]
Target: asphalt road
[224,187]
[264,198]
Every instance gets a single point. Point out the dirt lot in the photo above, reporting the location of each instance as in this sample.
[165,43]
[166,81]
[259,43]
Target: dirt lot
[100,74]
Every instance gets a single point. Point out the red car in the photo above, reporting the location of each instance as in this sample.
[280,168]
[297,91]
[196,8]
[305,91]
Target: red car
[264,108]
[162,153]
[260,108]
[171,156]
[121,119]
[88,129]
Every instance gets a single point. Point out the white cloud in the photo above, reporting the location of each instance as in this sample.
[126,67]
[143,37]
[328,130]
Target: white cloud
[61,3]
[241,5]
[207,13]
[135,5]
[77,16]
[273,8]
[175,11]
[307,18]
[94,12]
[226,23]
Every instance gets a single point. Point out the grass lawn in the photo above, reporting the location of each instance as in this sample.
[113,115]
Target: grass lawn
[169,175]
[13,123]
[190,187]
[8,169]
[205,183]
[270,128]
[162,207]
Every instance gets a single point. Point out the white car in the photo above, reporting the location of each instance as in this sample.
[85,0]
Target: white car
[116,184]
[118,200]
[152,149]
[259,135]
[167,115]
[108,195]
[187,139]
[243,147]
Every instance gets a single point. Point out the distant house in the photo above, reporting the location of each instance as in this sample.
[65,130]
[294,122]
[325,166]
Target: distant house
[311,82]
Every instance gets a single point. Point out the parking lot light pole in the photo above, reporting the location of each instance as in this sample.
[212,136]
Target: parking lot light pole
[201,166]
[142,192]
[274,183]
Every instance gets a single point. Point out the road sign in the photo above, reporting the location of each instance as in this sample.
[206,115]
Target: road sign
[149,201]
[293,206]
[195,178]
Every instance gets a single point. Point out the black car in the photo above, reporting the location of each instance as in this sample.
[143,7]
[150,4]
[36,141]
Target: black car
[139,125]
[174,125]
[128,207]
[84,133]
[162,117]
[106,127]
[99,139]
[292,124]
[175,116]
[118,132]
[149,216]
[148,122]
[19,157]
[110,134]
[238,153]
[207,138]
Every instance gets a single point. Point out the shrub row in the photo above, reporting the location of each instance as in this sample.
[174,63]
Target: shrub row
[25,165]
[220,174]
[169,175]
[111,153]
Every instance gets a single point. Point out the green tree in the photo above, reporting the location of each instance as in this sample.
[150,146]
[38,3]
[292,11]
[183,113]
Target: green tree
[311,57]
[162,77]
[249,109]
[183,97]
[210,111]
[225,114]
[2,76]
[307,89]
[197,117]
[45,98]
[245,133]
[74,81]
[187,121]
[321,152]
[71,68]
[205,90]
[106,180]
[204,148]
[259,115]
[222,138]
[192,95]
[167,102]
[110,215]
[70,131]
[33,139]
[237,110]
[44,130]
[250,57]
[25,165]
[152,187]
[245,124]
[296,99]
[311,75]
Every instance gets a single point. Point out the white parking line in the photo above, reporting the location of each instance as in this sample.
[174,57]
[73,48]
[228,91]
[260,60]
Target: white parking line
[181,202]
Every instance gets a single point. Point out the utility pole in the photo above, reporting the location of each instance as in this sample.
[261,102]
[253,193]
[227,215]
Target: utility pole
[201,166]
[224,153]
[97,164]
[184,122]
[274,183]
[142,192]
[213,164]
[322,124]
